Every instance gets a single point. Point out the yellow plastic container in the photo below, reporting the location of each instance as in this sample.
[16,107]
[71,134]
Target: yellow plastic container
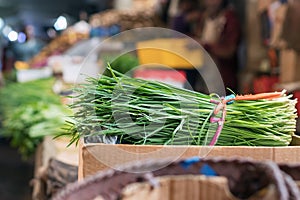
[169,52]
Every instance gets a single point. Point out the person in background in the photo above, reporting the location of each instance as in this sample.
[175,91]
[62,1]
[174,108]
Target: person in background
[1,76]
[32,45]
[218,31]
[162,10]
[180,22]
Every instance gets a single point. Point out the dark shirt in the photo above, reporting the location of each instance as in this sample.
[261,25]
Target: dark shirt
[181,25]
[224,50]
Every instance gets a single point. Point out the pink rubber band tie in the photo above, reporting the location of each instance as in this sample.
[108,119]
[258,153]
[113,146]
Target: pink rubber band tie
[220,105]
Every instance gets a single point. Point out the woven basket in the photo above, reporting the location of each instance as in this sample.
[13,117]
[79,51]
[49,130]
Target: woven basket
[245,179]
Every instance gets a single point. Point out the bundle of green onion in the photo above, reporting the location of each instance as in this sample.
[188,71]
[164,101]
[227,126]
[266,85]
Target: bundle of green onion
[137,111]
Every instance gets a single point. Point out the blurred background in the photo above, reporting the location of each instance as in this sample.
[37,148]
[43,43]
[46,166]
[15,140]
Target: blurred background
[254,43]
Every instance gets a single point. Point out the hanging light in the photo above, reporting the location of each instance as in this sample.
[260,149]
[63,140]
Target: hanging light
[21,37]
[61,23]
[6,30]
[12,36]
[1,23]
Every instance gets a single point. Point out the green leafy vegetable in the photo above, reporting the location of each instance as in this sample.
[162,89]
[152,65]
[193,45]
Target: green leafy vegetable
[29,111]
[149,112]
[122,64]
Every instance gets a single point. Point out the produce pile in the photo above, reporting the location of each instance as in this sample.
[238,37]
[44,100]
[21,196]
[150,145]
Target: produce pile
[136,111]
[57,46]
[28,112]
[126,19]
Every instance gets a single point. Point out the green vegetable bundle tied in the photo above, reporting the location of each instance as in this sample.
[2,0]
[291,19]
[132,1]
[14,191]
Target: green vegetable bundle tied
[137,111]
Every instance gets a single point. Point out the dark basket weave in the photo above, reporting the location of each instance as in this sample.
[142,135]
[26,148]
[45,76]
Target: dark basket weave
[245,178]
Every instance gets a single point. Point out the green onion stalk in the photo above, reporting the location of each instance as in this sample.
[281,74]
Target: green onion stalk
[144,112]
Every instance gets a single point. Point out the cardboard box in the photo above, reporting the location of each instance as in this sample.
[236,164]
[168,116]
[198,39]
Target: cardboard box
[96,157]
[190,187]
[289,66]
[24,75]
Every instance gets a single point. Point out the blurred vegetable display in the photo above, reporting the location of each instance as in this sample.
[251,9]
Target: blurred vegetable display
[29,111]
[123,64]
[126,19]
[57,46]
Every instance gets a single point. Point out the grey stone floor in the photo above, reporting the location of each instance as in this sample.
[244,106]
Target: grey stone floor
[15,174]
